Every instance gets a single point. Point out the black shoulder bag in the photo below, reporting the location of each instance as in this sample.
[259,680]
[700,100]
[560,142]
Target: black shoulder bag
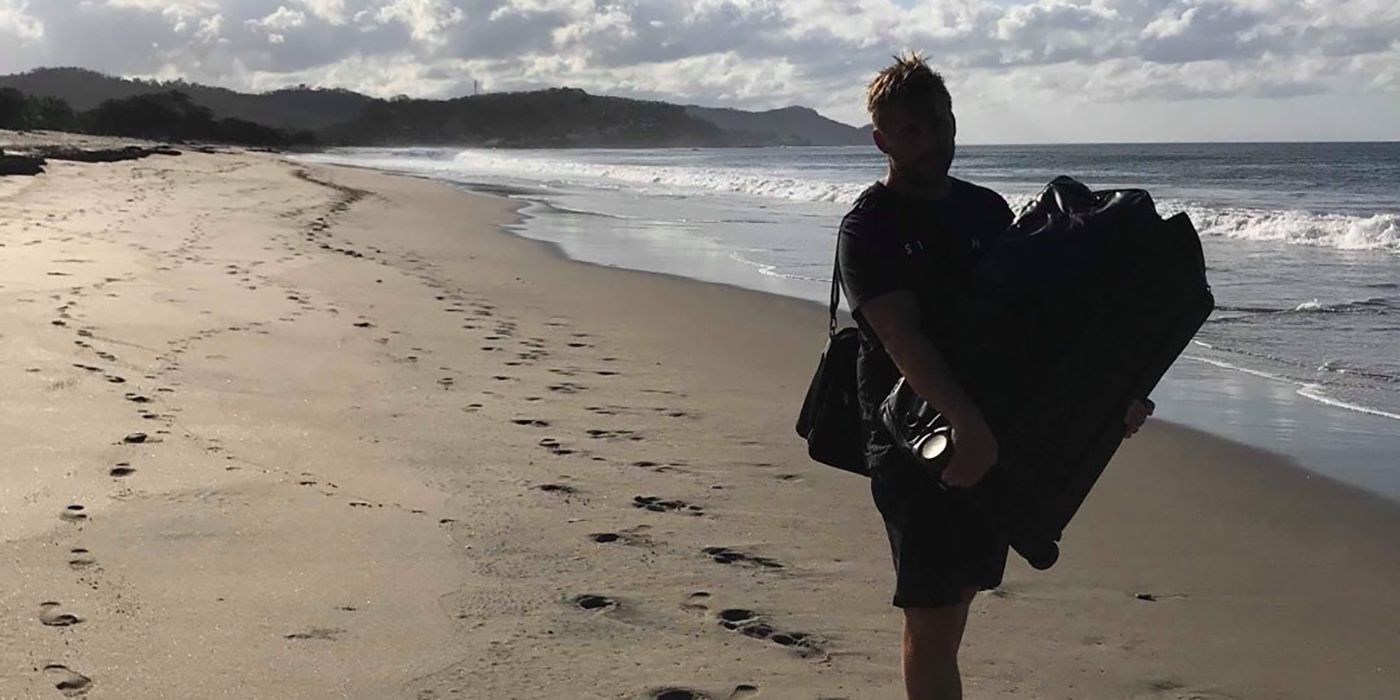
[830,420]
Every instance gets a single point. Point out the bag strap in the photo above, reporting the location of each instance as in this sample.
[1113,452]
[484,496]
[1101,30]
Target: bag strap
[835,289]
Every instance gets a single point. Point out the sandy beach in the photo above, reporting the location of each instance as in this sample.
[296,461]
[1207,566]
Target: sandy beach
[276,430]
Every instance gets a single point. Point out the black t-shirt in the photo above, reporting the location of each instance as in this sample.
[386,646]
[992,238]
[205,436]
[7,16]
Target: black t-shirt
[891,241]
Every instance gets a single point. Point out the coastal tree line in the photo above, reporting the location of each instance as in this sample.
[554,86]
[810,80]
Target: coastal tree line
[303,116]
[161,116]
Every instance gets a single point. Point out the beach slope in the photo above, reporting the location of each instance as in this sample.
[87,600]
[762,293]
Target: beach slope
[287,431]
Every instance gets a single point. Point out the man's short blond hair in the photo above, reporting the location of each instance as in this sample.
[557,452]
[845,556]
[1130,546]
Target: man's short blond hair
[907,81]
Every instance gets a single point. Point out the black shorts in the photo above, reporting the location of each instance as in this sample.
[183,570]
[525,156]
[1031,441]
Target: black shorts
[943,541]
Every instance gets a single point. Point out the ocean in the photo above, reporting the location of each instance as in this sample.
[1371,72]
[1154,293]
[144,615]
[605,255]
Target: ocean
[1302,241]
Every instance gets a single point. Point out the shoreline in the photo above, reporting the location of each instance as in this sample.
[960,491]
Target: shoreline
[1257,468]
[1299,472]
[1316,459]
[399,451]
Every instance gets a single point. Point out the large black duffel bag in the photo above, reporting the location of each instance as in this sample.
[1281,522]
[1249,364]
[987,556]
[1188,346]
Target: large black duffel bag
[1081,306]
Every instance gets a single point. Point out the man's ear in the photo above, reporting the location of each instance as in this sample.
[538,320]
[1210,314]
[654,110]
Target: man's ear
[879,139]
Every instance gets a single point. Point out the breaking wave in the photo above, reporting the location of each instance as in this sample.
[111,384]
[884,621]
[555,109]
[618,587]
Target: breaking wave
[1340,231]
[663,179]
[1375,232]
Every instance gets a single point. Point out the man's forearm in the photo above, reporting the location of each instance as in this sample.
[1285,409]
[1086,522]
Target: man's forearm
[926,370]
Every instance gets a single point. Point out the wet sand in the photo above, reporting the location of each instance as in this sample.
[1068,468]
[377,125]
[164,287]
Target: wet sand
[280,431]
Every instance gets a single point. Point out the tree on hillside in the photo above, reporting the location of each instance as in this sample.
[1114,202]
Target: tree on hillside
[54,114]
[155,116]
[14,109]
[173,115]
[20,111]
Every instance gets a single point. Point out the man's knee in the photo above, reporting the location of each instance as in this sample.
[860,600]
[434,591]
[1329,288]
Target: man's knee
[938,630]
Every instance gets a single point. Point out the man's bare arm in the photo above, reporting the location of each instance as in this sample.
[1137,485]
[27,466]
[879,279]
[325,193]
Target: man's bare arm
[895,320]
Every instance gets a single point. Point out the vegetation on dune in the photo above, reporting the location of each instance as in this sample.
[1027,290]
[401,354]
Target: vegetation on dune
[161,116]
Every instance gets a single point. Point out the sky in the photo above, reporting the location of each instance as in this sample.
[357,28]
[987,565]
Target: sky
[1020,71]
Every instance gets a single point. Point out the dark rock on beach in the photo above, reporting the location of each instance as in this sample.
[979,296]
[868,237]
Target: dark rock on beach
[101,155]
[20,165]
[33,160]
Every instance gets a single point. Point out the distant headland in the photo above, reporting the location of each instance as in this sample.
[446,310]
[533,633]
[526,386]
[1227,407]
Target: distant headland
[80,100]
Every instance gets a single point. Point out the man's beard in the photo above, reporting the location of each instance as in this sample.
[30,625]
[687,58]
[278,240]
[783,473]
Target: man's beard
[925,172]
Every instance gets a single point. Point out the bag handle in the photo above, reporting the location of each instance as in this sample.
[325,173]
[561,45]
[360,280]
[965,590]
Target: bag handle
[835,289]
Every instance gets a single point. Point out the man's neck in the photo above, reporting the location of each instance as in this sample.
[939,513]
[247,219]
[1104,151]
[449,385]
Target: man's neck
[932,191]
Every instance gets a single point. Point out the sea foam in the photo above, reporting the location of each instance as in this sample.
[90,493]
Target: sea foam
[663,179]
[1340,231]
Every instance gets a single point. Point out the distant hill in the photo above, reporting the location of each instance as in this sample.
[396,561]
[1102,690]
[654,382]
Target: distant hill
[789,126]
[556,118]
[560,117]
[295,108]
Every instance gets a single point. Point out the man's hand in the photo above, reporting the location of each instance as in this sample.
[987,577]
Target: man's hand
[974,451]
[1138,411]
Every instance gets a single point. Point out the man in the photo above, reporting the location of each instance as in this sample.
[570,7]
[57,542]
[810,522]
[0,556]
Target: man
[907,243]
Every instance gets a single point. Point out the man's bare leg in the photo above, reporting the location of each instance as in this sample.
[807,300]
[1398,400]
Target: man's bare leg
[931,640]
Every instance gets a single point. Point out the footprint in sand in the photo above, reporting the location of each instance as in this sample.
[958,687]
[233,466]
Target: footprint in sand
[1154,597]
[635,536]
[676,694]
[73,514]
[1175,690]
[564,489]
[69,682]
[328,634]
[50,614]
[79,558]
[725,555]
[594,603]
[751,624]
[554,447]
[599,434]
[121,469]
[658,505]
[698,601]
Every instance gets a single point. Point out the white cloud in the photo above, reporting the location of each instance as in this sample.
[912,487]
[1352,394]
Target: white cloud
[330,11]
[280,20]
[595,29]
[16,23]
[744,53]
[210,28]
[426,20]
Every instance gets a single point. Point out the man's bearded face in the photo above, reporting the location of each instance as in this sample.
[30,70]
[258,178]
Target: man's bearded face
[919,139]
